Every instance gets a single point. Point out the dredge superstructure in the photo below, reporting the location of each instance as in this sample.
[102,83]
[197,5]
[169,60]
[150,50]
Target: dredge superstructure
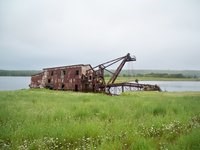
[86,78]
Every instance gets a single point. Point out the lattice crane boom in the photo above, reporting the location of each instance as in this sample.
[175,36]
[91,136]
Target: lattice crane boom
[124,59]
[99,83]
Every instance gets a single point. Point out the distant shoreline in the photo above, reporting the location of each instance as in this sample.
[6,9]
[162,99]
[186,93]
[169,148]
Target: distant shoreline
[18,73]
[127,75]
[126,79]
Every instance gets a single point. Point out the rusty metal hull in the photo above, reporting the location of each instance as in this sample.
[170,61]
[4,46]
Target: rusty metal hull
[62,78]
[118,88]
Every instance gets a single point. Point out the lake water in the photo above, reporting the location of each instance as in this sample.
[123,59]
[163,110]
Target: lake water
[14,83]
[176,86]
[17,83]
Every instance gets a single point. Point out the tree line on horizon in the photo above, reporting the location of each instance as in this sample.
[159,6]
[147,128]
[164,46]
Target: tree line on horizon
[124,73]
[18,72]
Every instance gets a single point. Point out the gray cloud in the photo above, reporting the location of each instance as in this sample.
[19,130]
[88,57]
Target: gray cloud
[162,34]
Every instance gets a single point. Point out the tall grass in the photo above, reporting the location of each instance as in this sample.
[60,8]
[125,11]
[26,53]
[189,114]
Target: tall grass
[43,119]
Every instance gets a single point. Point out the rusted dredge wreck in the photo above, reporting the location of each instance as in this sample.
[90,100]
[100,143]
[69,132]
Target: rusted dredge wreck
[86,78]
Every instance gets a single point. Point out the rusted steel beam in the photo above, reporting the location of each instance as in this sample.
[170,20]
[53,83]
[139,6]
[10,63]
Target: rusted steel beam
[136,85]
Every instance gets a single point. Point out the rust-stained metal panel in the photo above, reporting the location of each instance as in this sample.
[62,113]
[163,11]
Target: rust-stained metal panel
[36,80]
[62,78]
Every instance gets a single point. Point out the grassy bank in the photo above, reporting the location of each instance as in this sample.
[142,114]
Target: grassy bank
[43,119]
[126,79]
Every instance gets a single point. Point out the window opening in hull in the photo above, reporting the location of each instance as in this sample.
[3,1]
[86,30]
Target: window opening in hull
[77,72]
[76,87]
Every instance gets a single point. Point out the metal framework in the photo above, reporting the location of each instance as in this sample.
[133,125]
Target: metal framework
[86,78]
[99,84]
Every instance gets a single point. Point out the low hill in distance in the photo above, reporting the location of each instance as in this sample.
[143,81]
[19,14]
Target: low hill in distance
[160,73]
[186,73]
[18,72]
[124,73]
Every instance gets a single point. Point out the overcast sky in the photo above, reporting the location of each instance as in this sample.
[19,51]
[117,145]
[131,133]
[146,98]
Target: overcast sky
[162,34]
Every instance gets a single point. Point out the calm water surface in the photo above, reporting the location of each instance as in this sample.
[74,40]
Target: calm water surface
[176,86]
[14,83]
[17,83]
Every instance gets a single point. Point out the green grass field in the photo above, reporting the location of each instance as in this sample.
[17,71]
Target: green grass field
[128,79]
[43,119]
